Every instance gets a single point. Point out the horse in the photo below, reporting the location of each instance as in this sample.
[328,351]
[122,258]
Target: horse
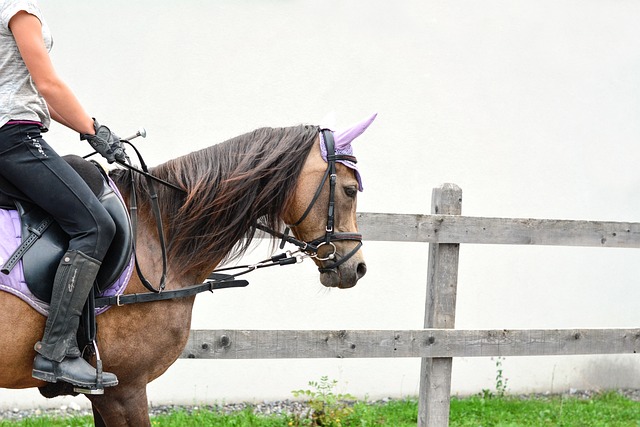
[264,179]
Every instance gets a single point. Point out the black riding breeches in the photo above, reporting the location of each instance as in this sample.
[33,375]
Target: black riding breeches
[39,173]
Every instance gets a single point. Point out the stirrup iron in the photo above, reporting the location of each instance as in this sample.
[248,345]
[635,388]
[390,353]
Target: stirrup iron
[99,388]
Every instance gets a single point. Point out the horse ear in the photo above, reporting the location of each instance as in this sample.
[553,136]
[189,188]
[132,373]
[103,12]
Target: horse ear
[344,137]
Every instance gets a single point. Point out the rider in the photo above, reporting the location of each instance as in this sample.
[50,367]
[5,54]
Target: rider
[31,94]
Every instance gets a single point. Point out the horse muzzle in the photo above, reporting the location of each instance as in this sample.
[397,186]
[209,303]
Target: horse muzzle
[338,271]
[343,277]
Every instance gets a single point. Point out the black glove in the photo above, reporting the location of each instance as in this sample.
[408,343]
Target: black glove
[106,143]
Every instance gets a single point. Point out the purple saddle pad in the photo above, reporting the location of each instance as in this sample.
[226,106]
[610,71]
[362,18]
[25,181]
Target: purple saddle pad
[14,283]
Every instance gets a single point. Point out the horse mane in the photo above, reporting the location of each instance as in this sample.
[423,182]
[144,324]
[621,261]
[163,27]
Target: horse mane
[228,188]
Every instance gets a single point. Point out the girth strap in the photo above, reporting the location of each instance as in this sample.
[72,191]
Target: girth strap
[34,234]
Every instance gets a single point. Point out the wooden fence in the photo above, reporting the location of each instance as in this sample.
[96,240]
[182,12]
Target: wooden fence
[445,229]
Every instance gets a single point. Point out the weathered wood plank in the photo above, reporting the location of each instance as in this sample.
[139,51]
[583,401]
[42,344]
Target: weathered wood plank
[507,231]
[292,344]
[440,312]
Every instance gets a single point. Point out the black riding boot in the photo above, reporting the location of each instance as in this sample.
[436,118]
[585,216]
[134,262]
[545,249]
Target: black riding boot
[59,357]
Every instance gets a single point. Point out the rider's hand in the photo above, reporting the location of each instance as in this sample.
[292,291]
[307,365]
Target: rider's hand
[106,143]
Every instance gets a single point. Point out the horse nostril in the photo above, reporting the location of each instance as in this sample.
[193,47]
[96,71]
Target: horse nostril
[361,270]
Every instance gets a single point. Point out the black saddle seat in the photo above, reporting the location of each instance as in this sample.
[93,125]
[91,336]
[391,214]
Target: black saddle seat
[41,261]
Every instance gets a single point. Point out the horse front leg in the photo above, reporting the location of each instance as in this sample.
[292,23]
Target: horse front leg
[121,406]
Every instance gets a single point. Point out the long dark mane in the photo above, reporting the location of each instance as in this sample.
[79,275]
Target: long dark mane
[228,187]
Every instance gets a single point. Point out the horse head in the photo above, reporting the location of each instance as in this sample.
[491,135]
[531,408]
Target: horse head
[322,210]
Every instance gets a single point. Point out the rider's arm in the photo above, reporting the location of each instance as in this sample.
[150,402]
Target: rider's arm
[63,105]
[57,117]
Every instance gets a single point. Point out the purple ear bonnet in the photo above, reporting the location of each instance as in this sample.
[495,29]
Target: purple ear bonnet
[343,140]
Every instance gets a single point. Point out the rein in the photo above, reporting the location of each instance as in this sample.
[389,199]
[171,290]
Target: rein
[155,207]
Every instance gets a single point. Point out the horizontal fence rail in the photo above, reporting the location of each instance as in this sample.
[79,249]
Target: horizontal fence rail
[503,231]
[290,344]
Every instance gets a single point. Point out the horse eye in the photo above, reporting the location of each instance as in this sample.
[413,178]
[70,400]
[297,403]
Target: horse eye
[351,191]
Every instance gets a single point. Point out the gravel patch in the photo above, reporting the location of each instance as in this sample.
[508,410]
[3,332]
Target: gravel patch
[264,408]
[75,410]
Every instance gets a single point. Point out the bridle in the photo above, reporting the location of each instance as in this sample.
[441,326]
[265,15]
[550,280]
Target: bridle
[309,248]
[312,247]
[218,280]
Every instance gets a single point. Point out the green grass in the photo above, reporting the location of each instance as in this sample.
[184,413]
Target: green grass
[607,409]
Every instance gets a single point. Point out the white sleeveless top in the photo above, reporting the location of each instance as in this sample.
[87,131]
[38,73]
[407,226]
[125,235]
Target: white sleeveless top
[19,98]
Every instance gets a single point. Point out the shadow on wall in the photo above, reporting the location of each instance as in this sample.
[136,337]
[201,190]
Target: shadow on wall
[611,372]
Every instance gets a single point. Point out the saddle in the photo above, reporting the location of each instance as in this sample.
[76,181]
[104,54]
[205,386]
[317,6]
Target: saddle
[44,243]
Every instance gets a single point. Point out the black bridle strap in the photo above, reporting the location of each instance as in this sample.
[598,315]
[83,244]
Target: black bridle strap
[333,177]
[336,237]
[330,234]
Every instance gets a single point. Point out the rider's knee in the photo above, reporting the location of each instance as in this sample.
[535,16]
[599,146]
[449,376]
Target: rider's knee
[106,228]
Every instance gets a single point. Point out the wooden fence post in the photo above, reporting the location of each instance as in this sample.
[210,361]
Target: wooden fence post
[440,312]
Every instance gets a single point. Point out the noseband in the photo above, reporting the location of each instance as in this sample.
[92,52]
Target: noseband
[311,248]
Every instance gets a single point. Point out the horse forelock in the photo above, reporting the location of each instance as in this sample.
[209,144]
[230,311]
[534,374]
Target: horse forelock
[229,186]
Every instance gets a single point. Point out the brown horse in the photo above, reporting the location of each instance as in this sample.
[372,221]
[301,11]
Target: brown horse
[268,176]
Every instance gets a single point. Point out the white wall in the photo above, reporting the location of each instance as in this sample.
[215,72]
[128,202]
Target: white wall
[531,107]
